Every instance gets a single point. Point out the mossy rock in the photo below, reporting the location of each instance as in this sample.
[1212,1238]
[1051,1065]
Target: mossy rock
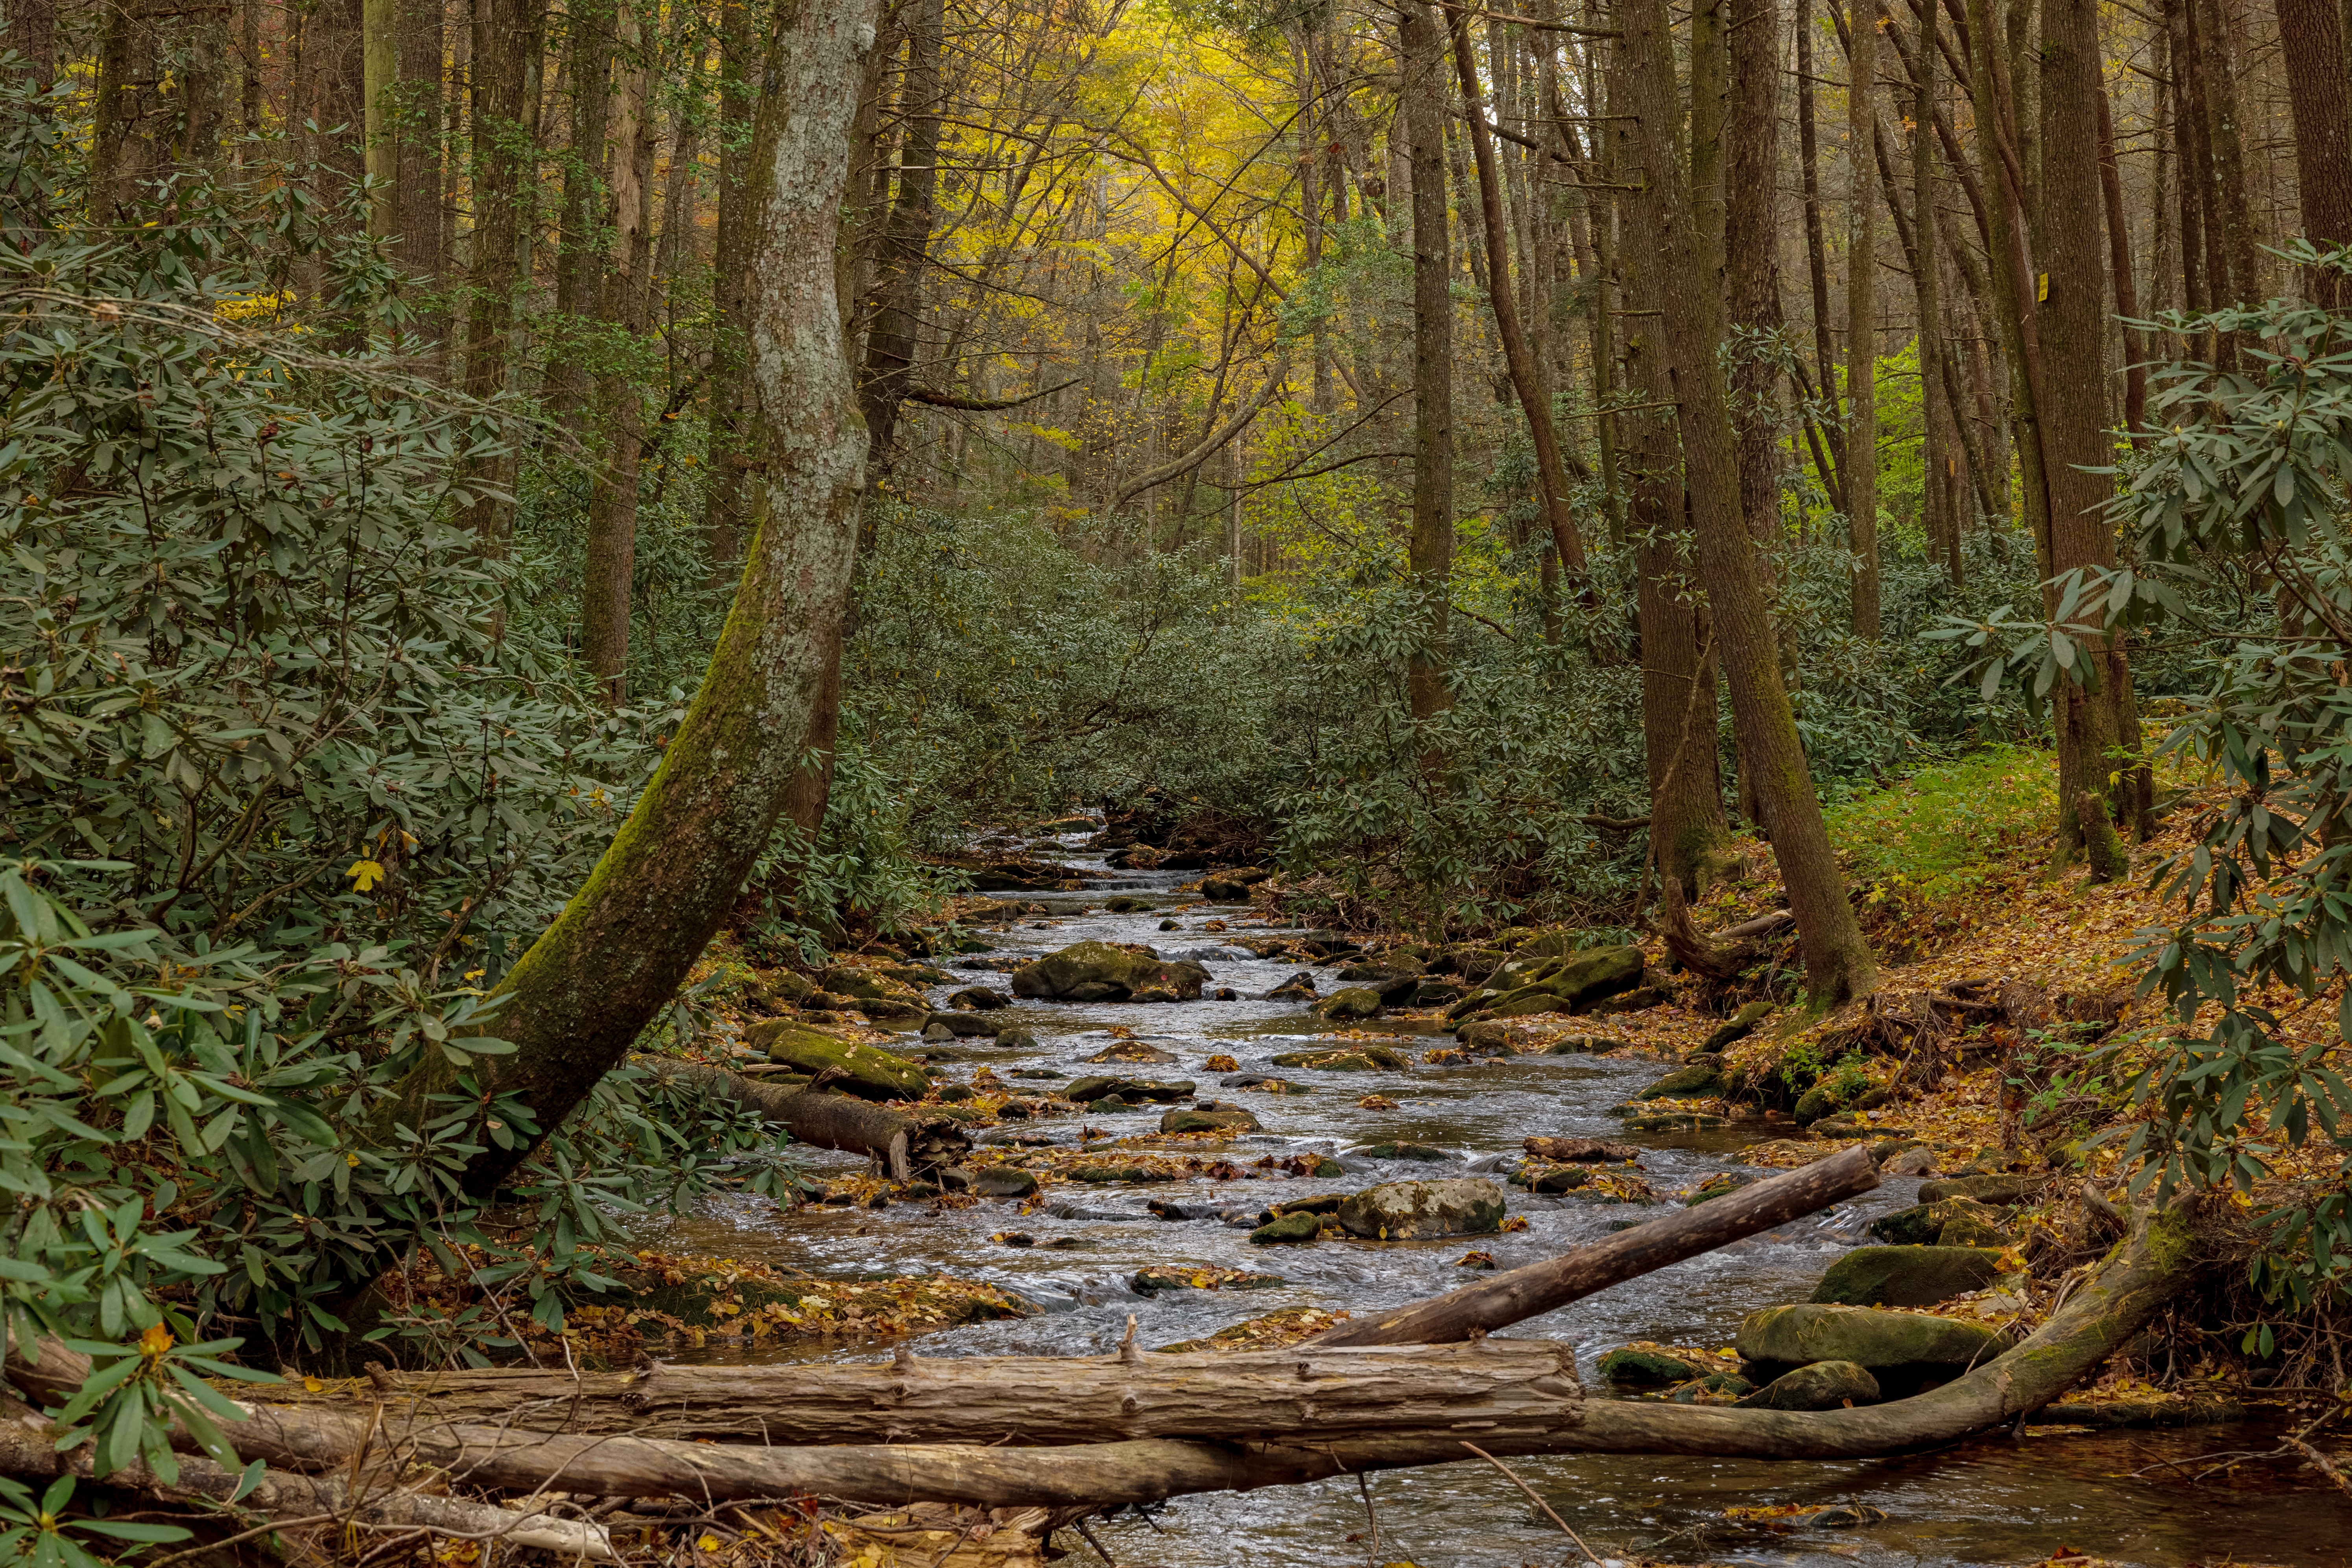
[869,1072]
[1346,1058]
[1355,1002]
[1224,1119]
[1127,904]
[1823,1385]
[1163,1090]
[1106,972]
[1638,1366]
[1906,1276]
[1288,1228]
[1584,1046]
[1115,1174]
[1400,1151]
[1868,1336]
[1148,1282]
[1700,1078]
[1984,1189]
[1401,1211]
[1322,1203]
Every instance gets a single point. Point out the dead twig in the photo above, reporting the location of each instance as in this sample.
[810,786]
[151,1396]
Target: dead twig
[1512,1475]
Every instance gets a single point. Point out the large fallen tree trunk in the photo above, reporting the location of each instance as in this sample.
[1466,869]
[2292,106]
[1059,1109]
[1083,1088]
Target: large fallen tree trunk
[1539,1288]
[1305,1393]
[2120,1296]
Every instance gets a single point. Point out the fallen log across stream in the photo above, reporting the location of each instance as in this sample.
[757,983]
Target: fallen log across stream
[1138,1426]
[816,1115]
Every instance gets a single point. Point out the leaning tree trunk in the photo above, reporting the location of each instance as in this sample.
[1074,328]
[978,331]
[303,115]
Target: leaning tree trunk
[1838,962]
[621,947]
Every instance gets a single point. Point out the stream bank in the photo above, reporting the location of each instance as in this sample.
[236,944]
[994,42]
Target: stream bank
[1997,1500]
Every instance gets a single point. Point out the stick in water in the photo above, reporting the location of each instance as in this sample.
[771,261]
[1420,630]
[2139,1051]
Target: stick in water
[1512,1475]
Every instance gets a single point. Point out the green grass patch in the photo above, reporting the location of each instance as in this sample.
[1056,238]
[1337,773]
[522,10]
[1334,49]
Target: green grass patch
[1947,830]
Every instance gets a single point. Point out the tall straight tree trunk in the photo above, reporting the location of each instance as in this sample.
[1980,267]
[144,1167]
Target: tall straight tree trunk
[622,946]
[2073,421]
[890,345]
[1753,252]
[1934,495]
[1817,262]
[1527,374]
[336,92]
[1430,549]
[2203,269]
[505,45]
[1861,472]
[2014,281]
[380,51]
[726,456]
[2312,34]
[1838,962]
[579,259]
[2119,256]
[1689,830]
[612,543]
[2234,212]
[1710,57]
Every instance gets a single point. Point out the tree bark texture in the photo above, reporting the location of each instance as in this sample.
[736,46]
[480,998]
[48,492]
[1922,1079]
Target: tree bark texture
[1861,474]
[728,458]
[417,215]
[2073,421]
[1752,259]
[2233,209]
[1838,962]
[506,40]
[32,33]
[2126,292]
[891,342]
[1817,264]
[610,569]
[1430,550]
[622,944]
[2311,35]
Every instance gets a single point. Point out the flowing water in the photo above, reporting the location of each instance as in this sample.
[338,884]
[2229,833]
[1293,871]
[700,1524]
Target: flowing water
[1998,1501]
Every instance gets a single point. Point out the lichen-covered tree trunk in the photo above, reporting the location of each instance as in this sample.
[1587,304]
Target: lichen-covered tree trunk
[621,947]
[1838,962]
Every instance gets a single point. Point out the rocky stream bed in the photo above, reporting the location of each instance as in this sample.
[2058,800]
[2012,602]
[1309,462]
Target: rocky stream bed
[1076,1253]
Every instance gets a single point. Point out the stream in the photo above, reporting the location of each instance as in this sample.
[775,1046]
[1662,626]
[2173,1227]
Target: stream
[1996,1500]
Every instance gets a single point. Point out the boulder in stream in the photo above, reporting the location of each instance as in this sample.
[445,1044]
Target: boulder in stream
[1906,1276]
[1003,1181]
[1355,1002]
[1300,987]
[1823,1385]
[1208,1119]
[1647,1366]
[1402,1151]
[1947,1222]
[1590,1151]
[1289,1227]
[1164,1091]
[868,1071]
[1701,1077]
[1869,1336]
[1407,1211]
[964,1026]
[980,998]
[1109,972]
[1133,1051]
[1358,1057]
